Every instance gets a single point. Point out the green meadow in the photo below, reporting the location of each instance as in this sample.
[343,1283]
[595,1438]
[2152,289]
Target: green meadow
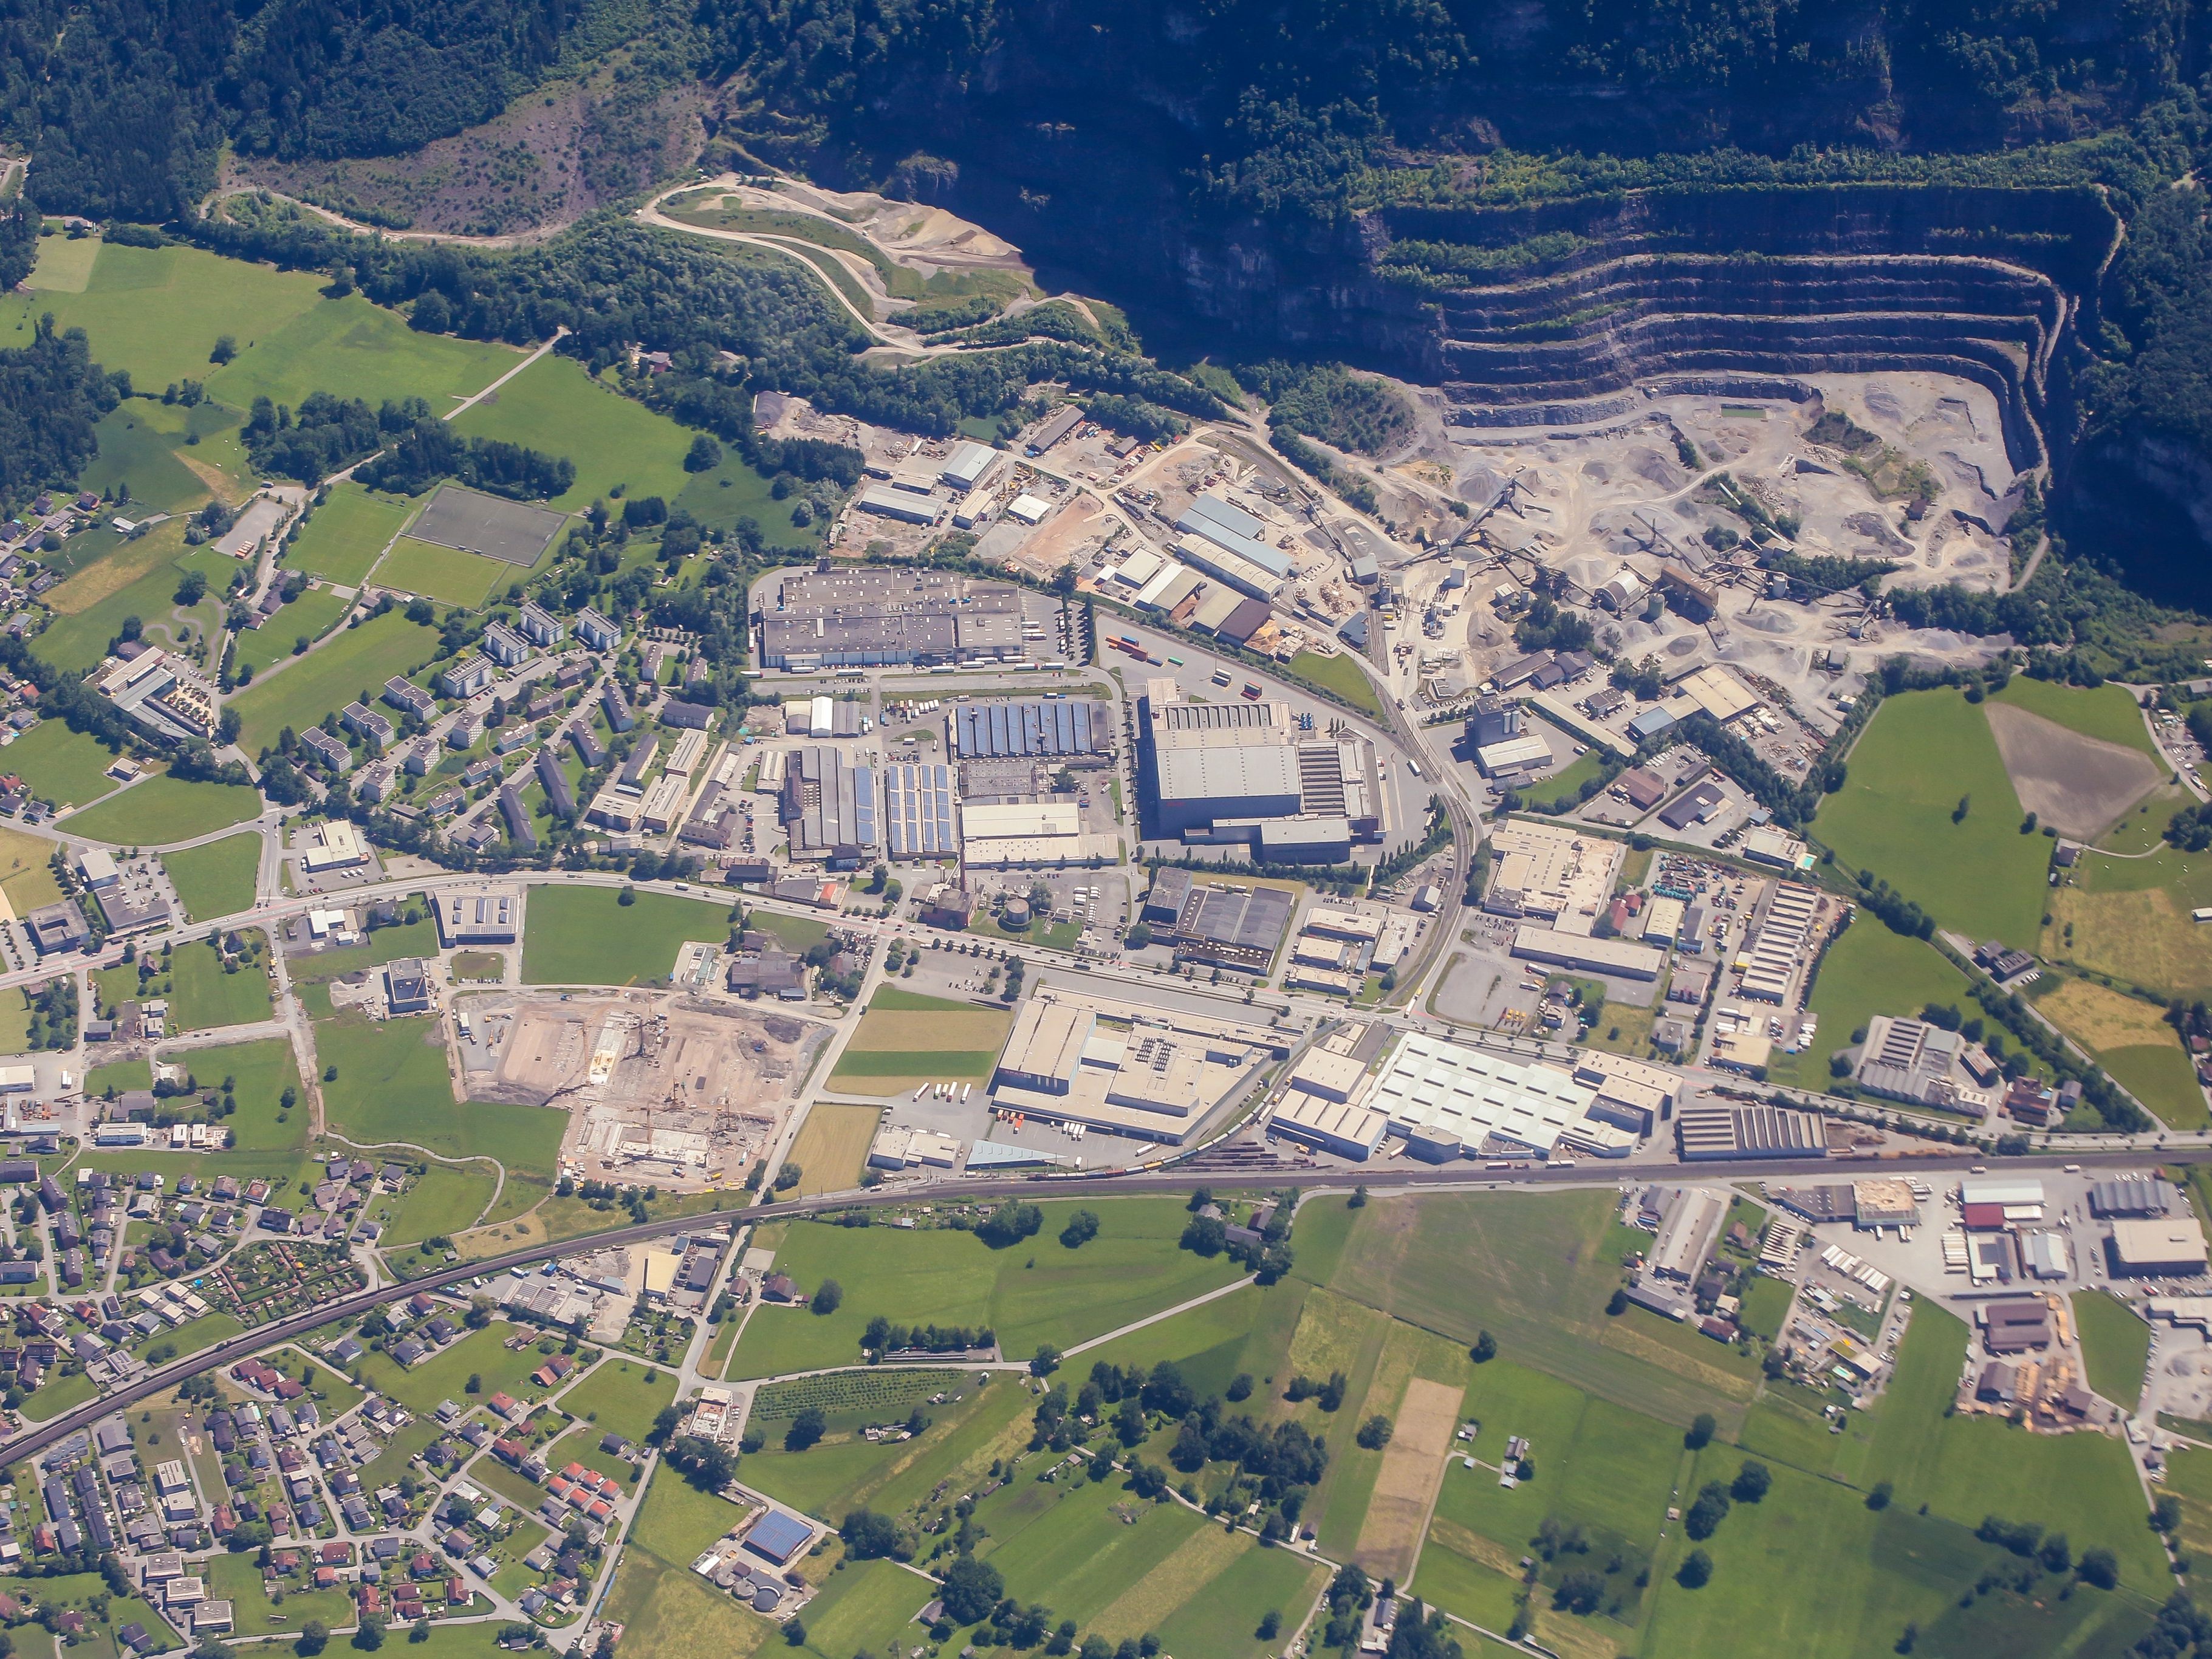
[301,693]
[65,767]
[344,538]
[1869,971]
[444,574]
[1895,817]
[158,312]
[586,936]
[1038,1291]
[618,444]
[162,808]
[308,618]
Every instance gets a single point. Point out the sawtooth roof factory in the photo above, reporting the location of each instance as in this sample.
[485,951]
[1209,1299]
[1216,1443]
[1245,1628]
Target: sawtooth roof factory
[872,616]
[1223,772]
[1445,1100]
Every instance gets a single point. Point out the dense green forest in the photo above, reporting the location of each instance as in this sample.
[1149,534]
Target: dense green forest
[51,394]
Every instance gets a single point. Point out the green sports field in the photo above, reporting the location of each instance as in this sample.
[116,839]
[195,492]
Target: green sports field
[65,767]
[344,537]
[308,618]
[1037,1290]
[162,809]
[1868,971]
[586,936]
[1919,755]
[444,574]
[299,693]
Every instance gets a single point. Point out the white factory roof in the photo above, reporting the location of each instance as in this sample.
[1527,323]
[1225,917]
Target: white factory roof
[1436,1087]
[1510,752]
[1028,509]
[2001,1192]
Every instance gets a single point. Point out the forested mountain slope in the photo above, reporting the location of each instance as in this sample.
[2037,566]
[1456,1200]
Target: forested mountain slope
[1496,198]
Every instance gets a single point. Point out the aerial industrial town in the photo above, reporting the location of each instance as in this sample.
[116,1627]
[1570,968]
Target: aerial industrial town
[646,1014]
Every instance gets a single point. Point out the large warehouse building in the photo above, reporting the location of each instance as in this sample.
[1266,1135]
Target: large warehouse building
[1712,1133]
[1070,729]
[1242,772]
[1451,1100]
[1123,1068]
[831,808]
[872,616]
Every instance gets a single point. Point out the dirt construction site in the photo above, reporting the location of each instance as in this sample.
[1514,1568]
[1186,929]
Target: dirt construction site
[659,1086]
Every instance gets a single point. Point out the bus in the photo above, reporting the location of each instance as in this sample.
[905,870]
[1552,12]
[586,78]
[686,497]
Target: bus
[1174,662]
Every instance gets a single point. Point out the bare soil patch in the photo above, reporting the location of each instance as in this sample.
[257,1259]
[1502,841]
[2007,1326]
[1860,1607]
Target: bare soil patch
[2082,786]
[1406,1489]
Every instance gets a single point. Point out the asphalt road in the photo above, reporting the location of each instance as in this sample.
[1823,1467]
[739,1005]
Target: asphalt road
[1464,1177]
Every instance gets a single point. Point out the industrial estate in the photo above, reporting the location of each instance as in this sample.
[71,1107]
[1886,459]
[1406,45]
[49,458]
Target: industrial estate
[647,1015]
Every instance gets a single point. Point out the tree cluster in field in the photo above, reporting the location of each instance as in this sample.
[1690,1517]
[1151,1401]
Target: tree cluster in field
[51,394]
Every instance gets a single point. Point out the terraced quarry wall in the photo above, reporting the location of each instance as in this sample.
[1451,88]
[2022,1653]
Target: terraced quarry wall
[1557,311]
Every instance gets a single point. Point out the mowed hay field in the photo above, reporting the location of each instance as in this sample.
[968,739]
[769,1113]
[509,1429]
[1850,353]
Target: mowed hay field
[832,1144]
[907,1040]
[162,809]
[1535,1271]
[1133,1268]
[1918,756]
[2131,1039]
[344,538]
[1405,1486]
[2107,713]
[158,312]
[2131,919]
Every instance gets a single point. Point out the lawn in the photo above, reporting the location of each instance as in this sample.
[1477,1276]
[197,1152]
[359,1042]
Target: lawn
[481,1354]
[310,617]
[1341,675]
[832,1144]
[142,450]
[218,879]
[158,312]
[301,693]
[1038,1291]
[393,1086]
[2107,713]
[163,808]
[1565,786]
[586,936]
[237,1579]
[1535,1271]
[620,1396]
[1894,817]
[344,537]
[2115,1347]
[445,573]
[906,1040]
[203,994]
[443,1202]
[65,767]
[1869,970]
[27,873]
